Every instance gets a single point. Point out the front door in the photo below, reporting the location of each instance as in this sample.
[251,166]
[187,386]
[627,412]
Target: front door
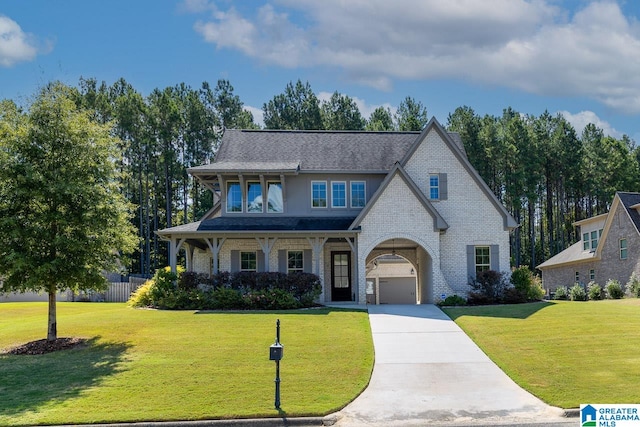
[341,276]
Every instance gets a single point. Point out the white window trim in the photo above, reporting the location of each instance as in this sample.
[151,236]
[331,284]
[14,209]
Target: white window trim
[296,270]
[261,195]
[248,252]
[345,194]
[475,260]
[266,207]
[626,248]
[437,175]
[226,197]
[326,195]
[364,188]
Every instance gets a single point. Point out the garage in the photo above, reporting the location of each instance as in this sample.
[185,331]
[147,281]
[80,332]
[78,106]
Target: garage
[397,290]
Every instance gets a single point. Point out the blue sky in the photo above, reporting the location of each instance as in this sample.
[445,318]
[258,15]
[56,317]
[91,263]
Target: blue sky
[578,57]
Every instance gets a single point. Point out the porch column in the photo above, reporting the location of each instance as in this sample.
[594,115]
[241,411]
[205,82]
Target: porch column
[317,243]
[189,257]
[266,244]
[174,247]
[215,244]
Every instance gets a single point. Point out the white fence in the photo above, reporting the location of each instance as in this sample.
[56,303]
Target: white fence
[117,292]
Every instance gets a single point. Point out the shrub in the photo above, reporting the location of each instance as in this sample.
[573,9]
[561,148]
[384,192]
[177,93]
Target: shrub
[562,293]
[594,291]
[513,296]
[226,299]
[270,299]
[577,293]
[141,297]
[453,300]
[633,286]
[488,285]
[614,289]
[527,284]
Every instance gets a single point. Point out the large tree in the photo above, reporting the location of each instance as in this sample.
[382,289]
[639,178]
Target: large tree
[63,219]
[341,112]
[411,115]
[297,108]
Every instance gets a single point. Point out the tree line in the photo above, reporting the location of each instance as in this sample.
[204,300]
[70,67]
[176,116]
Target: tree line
[546,174]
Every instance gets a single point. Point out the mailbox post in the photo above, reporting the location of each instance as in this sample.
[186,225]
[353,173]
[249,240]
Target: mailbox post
[276,353]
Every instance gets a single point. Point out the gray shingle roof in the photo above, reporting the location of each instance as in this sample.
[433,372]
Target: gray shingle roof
[274,223]
[317,150]
[628,200]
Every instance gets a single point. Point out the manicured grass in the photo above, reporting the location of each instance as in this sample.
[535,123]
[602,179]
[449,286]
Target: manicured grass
[566,353]
[145,365]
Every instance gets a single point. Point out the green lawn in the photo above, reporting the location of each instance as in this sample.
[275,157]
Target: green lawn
[171,365]
[566,353]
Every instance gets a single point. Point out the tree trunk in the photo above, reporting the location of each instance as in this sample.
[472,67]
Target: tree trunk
[52,330]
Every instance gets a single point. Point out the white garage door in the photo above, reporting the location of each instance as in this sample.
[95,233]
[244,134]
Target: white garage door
[397,290]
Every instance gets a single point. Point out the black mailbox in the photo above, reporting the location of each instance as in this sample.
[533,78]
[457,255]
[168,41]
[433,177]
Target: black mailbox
[275,351]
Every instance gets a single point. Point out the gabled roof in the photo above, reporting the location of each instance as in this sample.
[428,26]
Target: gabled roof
[572,254]
[458,151]
[438,222]
[629,201]
[348,151]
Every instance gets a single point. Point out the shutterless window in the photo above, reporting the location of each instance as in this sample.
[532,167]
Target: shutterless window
[577,277]
[254,197]
[248,261]
[358,194]
[234,197]
[318,194]
[338,194]
[585,242]
[295,261]
[594,240]
[275,201]
[434,186]
[483,258]
[623,248]
[592,275]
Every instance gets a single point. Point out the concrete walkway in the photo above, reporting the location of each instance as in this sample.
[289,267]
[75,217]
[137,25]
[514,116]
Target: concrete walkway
[428,372]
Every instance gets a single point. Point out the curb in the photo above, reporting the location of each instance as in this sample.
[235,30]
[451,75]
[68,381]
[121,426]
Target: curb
[249,422]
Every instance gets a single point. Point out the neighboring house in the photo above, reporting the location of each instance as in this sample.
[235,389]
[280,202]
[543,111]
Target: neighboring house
[333,202]
[609,248]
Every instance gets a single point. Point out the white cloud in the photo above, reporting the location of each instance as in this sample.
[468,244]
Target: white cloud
[258,115]
[531,45]
[15,45]
[583,118]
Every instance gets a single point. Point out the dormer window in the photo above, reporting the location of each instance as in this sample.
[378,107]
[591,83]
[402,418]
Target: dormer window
[234,197]
[275,202]
[254,197]
[590,240]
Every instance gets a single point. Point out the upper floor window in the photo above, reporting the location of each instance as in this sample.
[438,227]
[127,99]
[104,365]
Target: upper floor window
[318,194]
[295,261]
[248,261]
[234,197]
[590,240]
[254,197]
[434,186]
[275,202]
[339,194]
[623,248]
[483,258]
[358,194]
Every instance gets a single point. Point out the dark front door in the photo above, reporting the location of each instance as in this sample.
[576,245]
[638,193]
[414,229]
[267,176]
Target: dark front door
[341,276]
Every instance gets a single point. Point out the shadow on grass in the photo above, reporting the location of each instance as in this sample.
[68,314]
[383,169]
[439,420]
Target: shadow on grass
[29,382]
[507,311]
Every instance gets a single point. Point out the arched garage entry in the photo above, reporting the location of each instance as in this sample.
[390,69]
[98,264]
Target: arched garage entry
[398,271]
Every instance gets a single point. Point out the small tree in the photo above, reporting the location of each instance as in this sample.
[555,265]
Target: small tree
[63,220]
[633,286]
[614,289]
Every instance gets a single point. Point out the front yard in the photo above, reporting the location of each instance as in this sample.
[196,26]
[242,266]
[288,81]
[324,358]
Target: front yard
[146,365]
[566,353]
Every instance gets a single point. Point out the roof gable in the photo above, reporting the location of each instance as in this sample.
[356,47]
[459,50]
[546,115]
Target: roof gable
[458,152]
[439,223]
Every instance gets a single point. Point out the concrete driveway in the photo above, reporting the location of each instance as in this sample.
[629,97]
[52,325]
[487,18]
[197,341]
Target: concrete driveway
[428,371]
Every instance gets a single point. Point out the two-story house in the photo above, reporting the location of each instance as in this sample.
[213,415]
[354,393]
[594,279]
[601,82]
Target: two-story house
[608,248]
[334,202]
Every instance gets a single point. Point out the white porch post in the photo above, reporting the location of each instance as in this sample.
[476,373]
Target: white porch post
[174,247]
[317,243]
[215,244]
[266,245]
[189,257]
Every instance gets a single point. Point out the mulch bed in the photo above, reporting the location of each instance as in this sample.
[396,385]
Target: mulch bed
[44,346]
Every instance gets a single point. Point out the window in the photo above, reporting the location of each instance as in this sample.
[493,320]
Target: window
[294,261]
[585,241]
[623,248]
[275,203]
[592,275]
[248,261]
[434,186]
[254,197]
[577,277]
[338,194]
[318,194]
[483,258]
[358,194]
[590,240]
[234,197]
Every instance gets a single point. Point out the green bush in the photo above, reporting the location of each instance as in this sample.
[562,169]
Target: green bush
[595,291]
[577,293]
[562,293]
[488,287]
[141,297]
[527,284]
[270,299]
[453,300]
[226,299]
[614,289]
[633,286]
